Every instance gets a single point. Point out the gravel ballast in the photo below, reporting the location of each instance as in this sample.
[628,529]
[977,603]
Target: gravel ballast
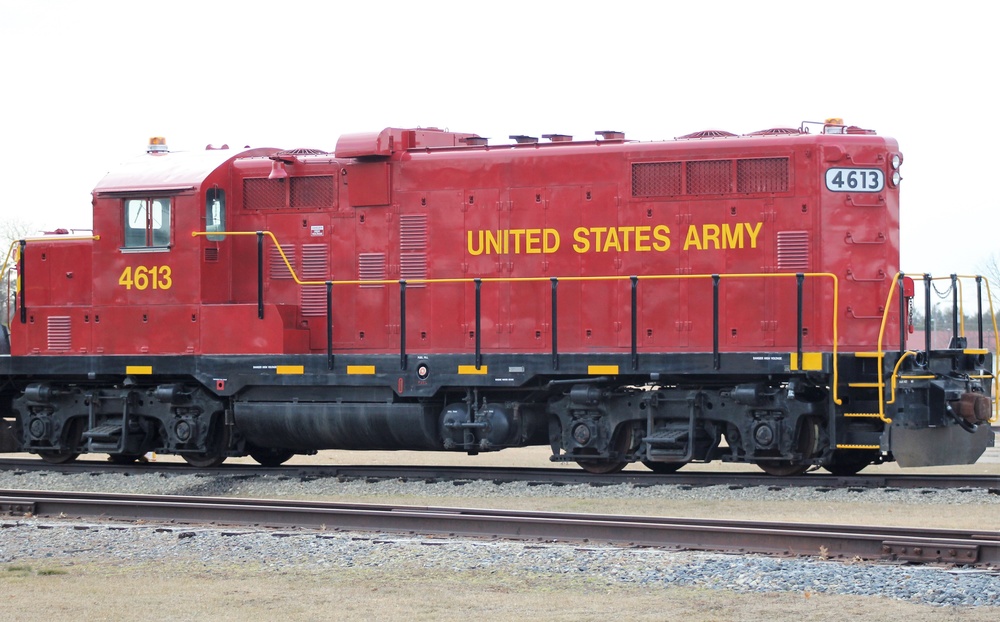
[280,486]
[59,540]
[50,541]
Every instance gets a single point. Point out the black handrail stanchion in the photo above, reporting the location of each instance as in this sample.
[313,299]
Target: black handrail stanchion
[260,275]
[716,359]
[20,277]
[979,307]
[954,309]
[799,279]
[329,324]
[555,324]
[479,322]
[402,324]
[902,314]
[927,317]
[635,316]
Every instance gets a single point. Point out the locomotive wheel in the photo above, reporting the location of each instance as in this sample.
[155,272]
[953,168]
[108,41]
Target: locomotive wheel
[205,460]
[849,462]
[74,437]
[61,456]
[217,443]
[272,456]
[621,444]
[663,468]
[783,468]
[601,467]
[808,439]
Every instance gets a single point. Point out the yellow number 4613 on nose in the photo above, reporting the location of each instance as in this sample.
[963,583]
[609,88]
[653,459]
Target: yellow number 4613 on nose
[142,277]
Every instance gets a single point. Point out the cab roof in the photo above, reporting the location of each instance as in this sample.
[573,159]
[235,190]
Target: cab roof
[170,170]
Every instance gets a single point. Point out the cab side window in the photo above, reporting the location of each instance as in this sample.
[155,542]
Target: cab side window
[147,223]
[215,212]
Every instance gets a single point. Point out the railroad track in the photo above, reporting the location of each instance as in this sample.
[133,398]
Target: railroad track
[771,538]
[531,475]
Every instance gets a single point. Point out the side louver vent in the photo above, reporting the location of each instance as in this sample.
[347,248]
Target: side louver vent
[413,248]
[371,267]
[279,269]
[60,336]
[793,251]
[315,262]
[413,266]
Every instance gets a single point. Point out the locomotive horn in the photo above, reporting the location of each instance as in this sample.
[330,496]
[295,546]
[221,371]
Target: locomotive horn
[278,170]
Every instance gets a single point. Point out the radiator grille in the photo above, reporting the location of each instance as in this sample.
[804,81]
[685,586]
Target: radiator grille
[279,270]
[315,191]
[657,179]
[371,267]
[315,262]
[60,336]
[762,175]
[263,193]
[667,179]
[793,251]
[709,177]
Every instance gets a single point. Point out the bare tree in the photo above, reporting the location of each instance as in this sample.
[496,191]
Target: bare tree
[990,268]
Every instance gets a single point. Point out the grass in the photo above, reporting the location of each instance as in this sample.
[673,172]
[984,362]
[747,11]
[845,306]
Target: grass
[27,571]
[218,591]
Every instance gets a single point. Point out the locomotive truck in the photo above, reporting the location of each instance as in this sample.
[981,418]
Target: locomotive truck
[712,297]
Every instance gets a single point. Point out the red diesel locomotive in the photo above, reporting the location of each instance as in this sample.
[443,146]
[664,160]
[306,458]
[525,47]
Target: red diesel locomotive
[713,297]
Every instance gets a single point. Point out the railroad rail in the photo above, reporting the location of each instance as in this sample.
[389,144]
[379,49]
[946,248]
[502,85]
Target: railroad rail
[771,538]
[735,479]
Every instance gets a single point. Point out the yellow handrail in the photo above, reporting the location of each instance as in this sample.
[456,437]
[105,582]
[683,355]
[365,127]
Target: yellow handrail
[996,336]
[536,279]
[895,372]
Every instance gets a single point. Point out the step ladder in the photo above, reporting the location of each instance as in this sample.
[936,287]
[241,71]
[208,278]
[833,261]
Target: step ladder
[107,437]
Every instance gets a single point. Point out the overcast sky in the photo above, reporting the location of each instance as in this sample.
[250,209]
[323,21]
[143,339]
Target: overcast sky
[85,84]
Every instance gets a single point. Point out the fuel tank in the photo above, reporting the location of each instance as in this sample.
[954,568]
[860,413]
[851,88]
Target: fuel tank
[307,426]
